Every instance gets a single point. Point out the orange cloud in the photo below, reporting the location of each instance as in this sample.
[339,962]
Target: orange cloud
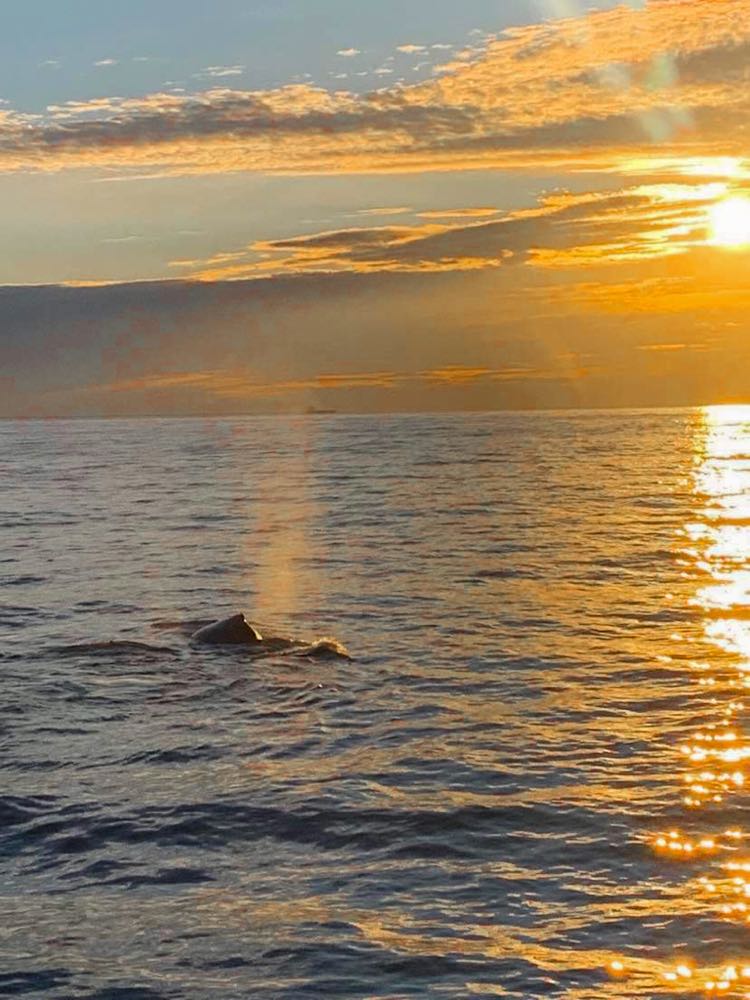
[455,374]
[231,384]
[583,92]
[667,347]
[397,210]
[563,231]
[247,384]
[697,291]
[364,251]
[384,341]
[459,213]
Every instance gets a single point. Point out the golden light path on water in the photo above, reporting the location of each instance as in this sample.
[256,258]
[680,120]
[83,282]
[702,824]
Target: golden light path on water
[714,760]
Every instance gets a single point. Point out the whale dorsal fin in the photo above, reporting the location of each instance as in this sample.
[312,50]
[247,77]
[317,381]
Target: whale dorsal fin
[233,631]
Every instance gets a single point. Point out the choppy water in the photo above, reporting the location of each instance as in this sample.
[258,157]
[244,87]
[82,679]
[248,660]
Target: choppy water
[529,782]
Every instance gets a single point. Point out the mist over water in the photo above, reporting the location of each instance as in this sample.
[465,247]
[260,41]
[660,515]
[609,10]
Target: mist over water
[529,782]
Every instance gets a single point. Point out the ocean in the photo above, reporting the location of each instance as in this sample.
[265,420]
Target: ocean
[527,781]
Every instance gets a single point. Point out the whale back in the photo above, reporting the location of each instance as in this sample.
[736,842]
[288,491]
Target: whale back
[234,631]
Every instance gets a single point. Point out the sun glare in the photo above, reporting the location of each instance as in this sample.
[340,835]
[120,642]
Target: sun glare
[730,222]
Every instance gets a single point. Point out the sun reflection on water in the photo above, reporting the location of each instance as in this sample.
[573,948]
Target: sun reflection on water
[715,755]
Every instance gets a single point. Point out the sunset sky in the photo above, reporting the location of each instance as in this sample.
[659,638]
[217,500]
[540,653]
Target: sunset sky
[252,206]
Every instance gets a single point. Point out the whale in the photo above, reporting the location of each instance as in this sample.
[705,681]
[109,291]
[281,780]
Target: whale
[232,631]
[236,632]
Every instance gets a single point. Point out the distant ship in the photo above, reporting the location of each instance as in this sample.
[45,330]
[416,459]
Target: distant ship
[318,411]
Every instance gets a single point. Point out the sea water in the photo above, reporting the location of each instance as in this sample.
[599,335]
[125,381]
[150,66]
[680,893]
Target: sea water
[528,781]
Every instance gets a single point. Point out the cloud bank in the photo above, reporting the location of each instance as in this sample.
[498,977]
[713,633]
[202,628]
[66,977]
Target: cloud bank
[582,92]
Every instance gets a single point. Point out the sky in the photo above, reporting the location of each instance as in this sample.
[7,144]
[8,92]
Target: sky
[262,206]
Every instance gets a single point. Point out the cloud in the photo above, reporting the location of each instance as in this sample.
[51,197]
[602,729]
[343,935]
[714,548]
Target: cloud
[281,343]
[396,210]
[106,62]
[582,93]
[220,71]
[357,250]
[458,213]
[349,53]
[563,232]
[125,239]
[665,347]
[247,385]
[383,340]
[411,49]
[707,287]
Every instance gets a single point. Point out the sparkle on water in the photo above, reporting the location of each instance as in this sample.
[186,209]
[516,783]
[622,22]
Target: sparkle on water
[716,552]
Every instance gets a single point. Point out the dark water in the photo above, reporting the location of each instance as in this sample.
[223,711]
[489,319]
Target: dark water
[532,769]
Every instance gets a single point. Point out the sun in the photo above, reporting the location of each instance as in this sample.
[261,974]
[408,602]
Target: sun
[730,222]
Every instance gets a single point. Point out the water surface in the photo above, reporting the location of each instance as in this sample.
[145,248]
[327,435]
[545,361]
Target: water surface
[529,782]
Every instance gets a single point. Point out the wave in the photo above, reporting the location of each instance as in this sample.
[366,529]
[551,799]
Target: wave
[324,648]
[465,831]
[114,647]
